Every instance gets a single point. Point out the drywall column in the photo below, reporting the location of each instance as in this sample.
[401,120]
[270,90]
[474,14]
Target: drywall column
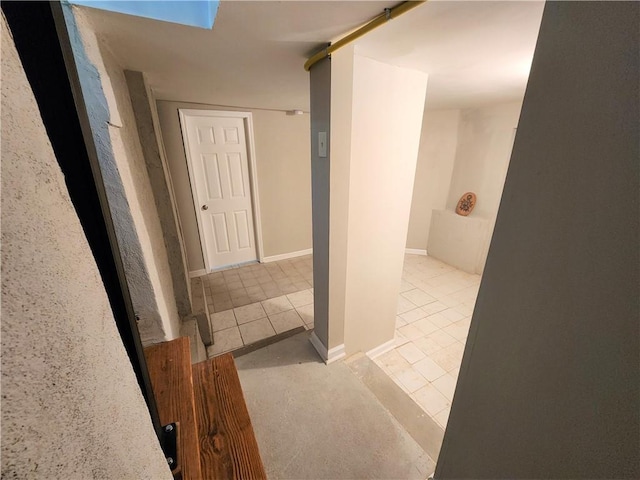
[71,406]
[374,158]
[549,384]
[320,78]
[144,105]
[341,117]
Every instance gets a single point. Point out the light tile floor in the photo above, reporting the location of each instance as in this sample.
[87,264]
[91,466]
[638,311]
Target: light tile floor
[433,315]
[243,285]
[247,324]
[434,312]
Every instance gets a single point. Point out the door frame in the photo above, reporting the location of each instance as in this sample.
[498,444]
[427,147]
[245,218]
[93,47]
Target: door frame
[247,118]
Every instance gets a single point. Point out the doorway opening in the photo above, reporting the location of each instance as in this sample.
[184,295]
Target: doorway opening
[221,162]
[462,150]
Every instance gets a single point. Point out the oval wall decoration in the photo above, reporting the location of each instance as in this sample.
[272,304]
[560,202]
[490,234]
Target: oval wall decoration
[466,204]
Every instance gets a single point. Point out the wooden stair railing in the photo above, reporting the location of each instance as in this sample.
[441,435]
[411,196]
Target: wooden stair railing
[216,439]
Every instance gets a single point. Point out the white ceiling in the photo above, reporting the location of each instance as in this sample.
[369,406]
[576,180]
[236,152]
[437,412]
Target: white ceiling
[475,52]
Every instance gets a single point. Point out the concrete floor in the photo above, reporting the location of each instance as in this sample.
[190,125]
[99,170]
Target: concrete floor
[314,421]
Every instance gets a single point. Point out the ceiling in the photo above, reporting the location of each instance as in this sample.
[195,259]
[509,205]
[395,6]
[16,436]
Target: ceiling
[475,52]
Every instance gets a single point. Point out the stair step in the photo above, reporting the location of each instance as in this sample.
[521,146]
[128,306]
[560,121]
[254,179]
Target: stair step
[169,365]
[228,447]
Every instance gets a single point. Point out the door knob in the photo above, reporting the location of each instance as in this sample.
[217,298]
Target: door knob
[205,207]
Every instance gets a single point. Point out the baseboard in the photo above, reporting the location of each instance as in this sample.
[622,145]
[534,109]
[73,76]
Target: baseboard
[336,353]
[415,251]
[285,256]
[381,349]
[328,356]
[197,273]
[272,258]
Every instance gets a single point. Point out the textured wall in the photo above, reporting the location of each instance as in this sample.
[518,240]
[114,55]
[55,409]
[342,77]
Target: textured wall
[144,105]
[126,181]
[549,383]
[71,407]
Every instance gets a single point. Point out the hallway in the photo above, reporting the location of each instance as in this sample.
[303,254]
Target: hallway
[315,421]
[433,316]
[254,302]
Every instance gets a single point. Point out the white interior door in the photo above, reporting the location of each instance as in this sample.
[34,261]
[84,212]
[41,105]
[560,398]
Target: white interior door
[216,147]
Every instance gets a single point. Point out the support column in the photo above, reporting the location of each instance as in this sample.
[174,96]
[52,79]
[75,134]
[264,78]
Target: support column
[380,141]
[362,190]
[320,125]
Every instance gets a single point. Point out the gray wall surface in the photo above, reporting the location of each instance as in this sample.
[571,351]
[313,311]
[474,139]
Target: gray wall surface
[71,406]
[142,102]
[320,78]
[549,384]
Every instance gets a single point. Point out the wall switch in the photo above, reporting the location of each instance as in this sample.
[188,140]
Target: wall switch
[322,144]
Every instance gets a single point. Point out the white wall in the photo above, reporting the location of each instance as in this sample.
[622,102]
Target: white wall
[341,112]
[461,242]
[386,118]
[436,156]
[485,139]
[71,406]
[127,183]
[284,178]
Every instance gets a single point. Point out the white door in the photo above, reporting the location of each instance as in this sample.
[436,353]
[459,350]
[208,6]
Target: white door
[216,148]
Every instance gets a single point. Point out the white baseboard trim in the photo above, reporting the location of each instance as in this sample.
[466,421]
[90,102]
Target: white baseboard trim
[336,353]
[380,349]
[285,256]
[197,273]
[330,356]
[415,251]
[272,258]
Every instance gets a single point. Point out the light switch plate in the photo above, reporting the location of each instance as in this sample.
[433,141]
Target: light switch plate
[322,144]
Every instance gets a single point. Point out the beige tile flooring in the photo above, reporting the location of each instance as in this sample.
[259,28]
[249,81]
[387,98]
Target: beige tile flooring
[244,285]
[242,325]
[247,324]
[434,313]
